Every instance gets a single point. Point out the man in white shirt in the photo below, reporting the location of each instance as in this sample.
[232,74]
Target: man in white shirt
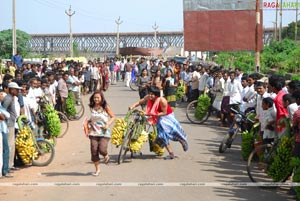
[74,88]
[34,93]
[261,89]
[52,87]
[235,90]
[244,92]
[194,85]
[94,77]
[250,96]
[128,69]
[122,68]
[239,74]
[225,100]
[203,80]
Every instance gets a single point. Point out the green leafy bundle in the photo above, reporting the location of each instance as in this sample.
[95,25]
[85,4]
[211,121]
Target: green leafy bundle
[203,105]
[280,168]
[295,162]
[52,121]
[247,143]
[70,105]
[180,90]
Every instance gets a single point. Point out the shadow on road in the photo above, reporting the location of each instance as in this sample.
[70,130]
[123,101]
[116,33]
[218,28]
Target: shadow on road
[56,174]
[228,166]
[137,156]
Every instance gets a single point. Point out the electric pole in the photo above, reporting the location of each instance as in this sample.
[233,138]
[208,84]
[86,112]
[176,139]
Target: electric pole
[275,31]
[276,21]
[14,32]
[296,23]
[280,20]
[70,13]
[118,22]
[257,37]
[155,27]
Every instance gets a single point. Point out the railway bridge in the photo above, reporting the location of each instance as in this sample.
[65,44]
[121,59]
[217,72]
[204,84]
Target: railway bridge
[106,42]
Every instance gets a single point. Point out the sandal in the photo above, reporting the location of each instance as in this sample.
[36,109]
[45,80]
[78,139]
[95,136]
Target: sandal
[8,176]
[96,173]
[106,159]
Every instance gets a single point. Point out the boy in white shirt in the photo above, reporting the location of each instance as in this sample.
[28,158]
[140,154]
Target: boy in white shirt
[269,120]
[289,102]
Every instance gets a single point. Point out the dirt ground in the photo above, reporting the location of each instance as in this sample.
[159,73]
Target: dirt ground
[194,175]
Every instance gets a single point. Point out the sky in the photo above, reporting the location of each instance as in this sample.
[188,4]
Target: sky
[98,16]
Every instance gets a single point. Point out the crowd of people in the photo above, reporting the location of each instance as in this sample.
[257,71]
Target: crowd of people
[23,85]
[272,97]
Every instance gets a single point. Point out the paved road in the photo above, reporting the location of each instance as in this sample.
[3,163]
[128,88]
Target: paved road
[202,163]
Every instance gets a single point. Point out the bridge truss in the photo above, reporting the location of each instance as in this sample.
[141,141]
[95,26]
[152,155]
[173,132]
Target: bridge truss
[106,42]
[102,42]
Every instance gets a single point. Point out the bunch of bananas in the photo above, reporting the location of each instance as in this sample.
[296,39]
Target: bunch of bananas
[25,145]
[280,167]
[136,145]
[155,147]
[118,132]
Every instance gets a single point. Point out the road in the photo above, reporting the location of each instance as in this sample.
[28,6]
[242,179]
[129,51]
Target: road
[202,163]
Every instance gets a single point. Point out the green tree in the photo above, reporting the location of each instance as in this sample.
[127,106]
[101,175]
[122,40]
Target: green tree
[278,54]
[243,60]
[6,43]
[293,60]
[289,31]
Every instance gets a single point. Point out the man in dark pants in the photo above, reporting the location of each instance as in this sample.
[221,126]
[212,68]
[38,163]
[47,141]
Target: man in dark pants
[63,92]
[9,104]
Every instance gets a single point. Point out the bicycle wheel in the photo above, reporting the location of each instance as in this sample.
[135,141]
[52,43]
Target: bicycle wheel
[45,153]
[79,109]
[64,122]
[52,140]
[190,113]
[259,161]
[227,141]
[125,147]
[224,145]
[134,84]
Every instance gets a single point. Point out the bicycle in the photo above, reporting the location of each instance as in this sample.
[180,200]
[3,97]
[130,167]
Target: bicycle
[41,121]
[79,108]
[44,150]
[191,111]
[136,122]
[133,83]
[236,126]
[260,161]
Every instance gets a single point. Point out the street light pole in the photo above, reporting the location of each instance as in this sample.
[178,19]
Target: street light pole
[257,37]
[118,22]
[70,13]
[14,32]
[155,27]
